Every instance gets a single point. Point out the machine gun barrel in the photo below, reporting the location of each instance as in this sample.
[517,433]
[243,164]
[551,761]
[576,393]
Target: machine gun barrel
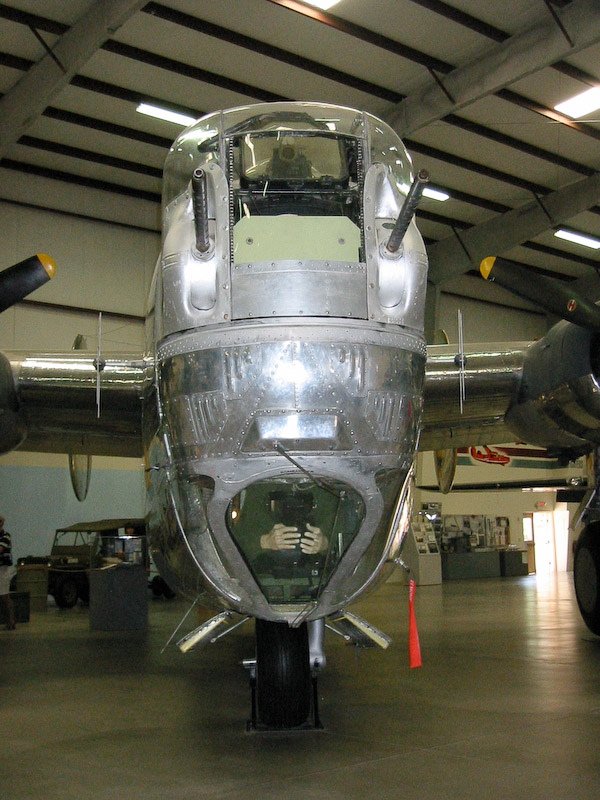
[200,202]
[407,211]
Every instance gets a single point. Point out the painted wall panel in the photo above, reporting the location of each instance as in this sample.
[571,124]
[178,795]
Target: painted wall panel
[35,500]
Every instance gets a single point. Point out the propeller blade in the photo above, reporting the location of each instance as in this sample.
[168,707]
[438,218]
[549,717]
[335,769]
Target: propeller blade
[555,297]
[445,468]
[23,278]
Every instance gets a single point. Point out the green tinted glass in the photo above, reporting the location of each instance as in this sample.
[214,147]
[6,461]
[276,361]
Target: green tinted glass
[293,532]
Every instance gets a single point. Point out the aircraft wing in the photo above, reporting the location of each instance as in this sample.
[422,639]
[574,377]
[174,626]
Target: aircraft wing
[490,380]
[545,393]
[67,402]
[49,403]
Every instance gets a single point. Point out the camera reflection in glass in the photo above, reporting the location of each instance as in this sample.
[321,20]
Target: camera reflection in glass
[293,533]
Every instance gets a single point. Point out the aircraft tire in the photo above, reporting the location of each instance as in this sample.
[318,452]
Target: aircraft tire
[168,593]
[84,591]
[586,575]
[160,588]
[66,593]
[283,680]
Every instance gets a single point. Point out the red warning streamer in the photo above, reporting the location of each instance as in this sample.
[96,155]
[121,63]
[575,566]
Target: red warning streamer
[414,648]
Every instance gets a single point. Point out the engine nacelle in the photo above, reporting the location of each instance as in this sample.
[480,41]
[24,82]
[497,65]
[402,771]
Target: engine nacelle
[559,400]
[12,431]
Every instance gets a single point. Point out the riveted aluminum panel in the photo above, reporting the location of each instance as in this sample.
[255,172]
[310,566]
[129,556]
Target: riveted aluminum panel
[276,238]
[271,400]
[299,288]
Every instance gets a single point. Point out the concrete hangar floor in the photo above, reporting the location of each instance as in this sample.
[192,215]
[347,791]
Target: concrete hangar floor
[506,705]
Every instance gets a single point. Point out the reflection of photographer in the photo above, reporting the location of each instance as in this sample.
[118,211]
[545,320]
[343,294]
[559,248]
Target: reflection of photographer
[294,532]
[286,537]
[288,163]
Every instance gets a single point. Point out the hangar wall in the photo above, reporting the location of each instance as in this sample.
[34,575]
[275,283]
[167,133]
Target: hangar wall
[511,503]
[36,496]
[484,321]
[101,266]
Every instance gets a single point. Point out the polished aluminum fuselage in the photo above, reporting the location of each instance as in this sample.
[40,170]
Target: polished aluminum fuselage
[283,369]
[346,411]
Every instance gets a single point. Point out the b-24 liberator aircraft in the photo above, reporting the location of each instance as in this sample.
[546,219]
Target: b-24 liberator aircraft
[286,384]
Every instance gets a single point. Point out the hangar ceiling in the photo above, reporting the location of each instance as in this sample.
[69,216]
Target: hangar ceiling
[470,85]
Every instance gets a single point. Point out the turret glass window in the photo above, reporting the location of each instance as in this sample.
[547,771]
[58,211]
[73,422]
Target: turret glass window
[292,532]
[307,187]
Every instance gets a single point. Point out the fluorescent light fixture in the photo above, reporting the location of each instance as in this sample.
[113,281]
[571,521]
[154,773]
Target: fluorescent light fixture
[581,104]
[435,194]
[578,238]
[164,113]
[322,4]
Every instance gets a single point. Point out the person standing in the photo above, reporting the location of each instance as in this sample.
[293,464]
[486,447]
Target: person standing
[6,572]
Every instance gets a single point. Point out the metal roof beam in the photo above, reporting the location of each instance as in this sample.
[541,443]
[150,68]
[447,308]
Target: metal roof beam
[523,54]
[457,254]
[22,105]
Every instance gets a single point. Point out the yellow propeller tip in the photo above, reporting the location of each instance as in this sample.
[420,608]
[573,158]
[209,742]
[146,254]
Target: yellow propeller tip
[47,263]
[486,266]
